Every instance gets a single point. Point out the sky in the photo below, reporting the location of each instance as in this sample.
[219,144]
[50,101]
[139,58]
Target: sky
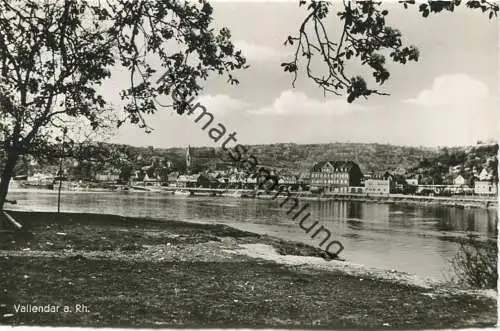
[448,98]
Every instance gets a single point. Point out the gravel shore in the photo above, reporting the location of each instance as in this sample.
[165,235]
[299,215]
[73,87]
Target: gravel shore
[145,273]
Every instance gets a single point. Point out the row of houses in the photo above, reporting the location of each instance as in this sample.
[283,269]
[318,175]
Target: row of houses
[325,176]
[346,176]
[238,180]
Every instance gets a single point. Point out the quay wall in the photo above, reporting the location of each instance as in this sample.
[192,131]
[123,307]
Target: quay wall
[453,201]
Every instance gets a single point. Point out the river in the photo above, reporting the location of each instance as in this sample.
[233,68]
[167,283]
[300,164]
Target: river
[415,239]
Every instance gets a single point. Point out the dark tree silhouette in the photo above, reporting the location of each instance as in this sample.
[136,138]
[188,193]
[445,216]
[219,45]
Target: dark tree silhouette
[55,54]
[364,37]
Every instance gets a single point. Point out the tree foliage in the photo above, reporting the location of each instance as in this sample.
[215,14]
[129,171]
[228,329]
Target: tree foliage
[55,54]
[364,37]
[475,264]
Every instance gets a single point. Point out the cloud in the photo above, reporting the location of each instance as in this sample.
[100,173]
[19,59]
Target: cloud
[456,109]
[258,53]
[221,103]
[451,89]
[293,102]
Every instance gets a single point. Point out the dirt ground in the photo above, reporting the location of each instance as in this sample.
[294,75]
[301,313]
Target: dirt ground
[112,271]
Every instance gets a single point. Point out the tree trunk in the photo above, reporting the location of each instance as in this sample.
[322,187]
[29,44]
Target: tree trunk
[8,171]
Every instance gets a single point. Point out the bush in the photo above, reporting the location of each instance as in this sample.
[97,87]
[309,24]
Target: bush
[475,264]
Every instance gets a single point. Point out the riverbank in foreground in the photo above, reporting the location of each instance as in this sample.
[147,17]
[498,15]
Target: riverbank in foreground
[126,272]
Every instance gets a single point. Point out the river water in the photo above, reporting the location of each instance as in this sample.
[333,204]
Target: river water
[411,238]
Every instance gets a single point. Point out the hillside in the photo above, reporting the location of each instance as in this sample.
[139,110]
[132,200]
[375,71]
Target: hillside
[433,163]
[370,157]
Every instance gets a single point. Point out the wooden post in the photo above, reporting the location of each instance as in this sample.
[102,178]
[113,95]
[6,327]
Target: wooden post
[65,130]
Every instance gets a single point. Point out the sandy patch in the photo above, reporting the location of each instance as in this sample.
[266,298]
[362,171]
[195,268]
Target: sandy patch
[268,252]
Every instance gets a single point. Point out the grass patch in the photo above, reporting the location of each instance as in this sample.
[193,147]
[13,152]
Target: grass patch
[93,232]
[220,294]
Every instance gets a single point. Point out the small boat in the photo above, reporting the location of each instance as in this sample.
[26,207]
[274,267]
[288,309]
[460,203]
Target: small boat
[203,193]
[182,192]
[265,196]
[235,194]
[139,188]
[154,189]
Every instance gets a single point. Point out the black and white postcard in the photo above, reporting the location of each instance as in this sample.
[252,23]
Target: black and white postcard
[249,164]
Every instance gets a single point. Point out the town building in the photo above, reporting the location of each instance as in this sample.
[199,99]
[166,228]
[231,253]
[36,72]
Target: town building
[460,180]
[287,180]
[108,176]
[172,179]
[40,180]
[485,187]
[357,189]
[485,175]
[188,180]
[216,180]
[380,184]
[412,181]
[234,180]
[151,180]
[136,178]
[250,182]
[304,179]
[335,176]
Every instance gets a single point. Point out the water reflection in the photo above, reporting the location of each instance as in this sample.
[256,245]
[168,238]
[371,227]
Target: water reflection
[411,238]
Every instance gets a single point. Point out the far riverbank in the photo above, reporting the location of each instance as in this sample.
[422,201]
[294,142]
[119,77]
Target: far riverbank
[451,201]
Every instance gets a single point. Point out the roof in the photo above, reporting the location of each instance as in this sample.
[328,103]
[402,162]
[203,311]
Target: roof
[304,175]
[188,178]
[463,175]
[336,164]
[173,175]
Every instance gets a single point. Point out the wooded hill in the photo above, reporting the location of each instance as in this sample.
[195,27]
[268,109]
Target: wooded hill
[295,157]
[433,162]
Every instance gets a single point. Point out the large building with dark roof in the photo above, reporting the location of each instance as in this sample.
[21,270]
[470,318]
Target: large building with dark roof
[335,176]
